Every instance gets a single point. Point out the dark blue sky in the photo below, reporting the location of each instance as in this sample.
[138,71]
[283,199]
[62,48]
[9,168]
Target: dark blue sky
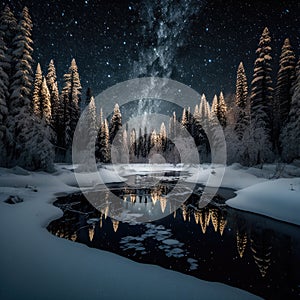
[106,37]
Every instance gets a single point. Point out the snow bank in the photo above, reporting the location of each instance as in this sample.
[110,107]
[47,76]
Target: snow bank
[235,176]
[38,265]
[279,199]
[89,179]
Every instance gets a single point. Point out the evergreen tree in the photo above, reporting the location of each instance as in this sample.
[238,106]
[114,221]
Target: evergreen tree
[8,31]
[75,99]
[145,146]
[283,91]
[29,139]
[133,144]
[69,111]
[91,124]
[36,96]
[163,137]
[290,136]
[241,101]
[115,123]
[184,118]
[45,102]
[104,143]
[285,79]
[204,110]
[261,98]
[222,109]
[51,79]
[3,96]
[215,106]
[20,104]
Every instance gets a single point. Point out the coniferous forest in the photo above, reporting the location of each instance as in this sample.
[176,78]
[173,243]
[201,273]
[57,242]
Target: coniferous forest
[260,118]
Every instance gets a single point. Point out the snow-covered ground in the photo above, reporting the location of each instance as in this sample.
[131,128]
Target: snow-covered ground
[279,199]
[37,265]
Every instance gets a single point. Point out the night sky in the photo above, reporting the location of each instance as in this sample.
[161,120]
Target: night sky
[107,37]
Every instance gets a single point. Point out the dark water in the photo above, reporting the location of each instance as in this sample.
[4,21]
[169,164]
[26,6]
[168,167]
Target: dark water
[215,243]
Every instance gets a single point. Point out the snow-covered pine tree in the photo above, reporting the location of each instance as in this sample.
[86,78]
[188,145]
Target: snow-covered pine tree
[75,93]
[8,30]
[3,99]
[115,123]
[145,146]
[153,139]
[51,79]
[241,102]
[20,90]
[222,110]
[91,125]
[36,95]
[70,101]
[283,90]
[45,102]
[104,143]
[163,137]
[290,136]
[184,118]
[132,145]
[261,99]
[64,137]
[214,106]
[285,79]
[204,109]
[28,137]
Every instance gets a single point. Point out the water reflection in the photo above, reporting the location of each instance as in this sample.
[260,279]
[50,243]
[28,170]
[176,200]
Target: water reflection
[213,243]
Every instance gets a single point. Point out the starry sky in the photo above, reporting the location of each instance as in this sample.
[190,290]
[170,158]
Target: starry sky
[207,39]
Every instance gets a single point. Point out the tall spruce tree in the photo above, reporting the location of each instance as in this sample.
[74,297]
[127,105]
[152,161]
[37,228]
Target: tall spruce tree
[115,123]
[261,99]
[163,137]
[215,105]
[104,143]
[290,136]
[70,101]
[3,97]
[241,102]
[36,95]
[261,85]
[283,90]
[133,144]
[285,79]
[51,79]
[222,110]
[8,31]
[20,90]
[91,124]
[29,140]
[45,102]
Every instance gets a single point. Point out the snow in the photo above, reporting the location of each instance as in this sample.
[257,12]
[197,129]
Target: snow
[170,242]
[279,199]
[38,265]
[235,176]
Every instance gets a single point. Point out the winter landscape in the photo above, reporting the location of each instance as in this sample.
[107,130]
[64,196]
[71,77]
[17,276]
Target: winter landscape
[165,162]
